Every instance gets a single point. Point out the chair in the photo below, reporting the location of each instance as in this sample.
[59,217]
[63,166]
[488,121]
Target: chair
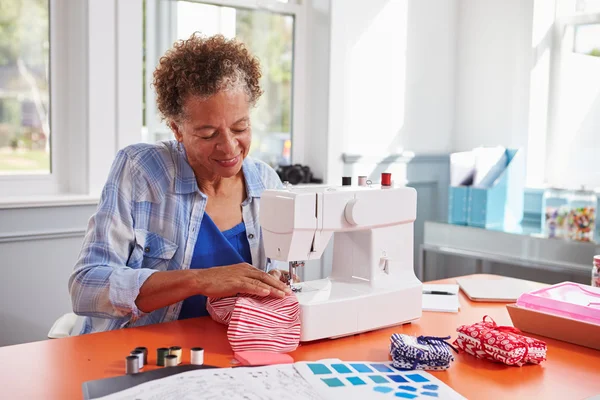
[69,324]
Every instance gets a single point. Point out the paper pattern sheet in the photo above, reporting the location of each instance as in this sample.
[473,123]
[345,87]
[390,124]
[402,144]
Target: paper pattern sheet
[320,380]
[277,382]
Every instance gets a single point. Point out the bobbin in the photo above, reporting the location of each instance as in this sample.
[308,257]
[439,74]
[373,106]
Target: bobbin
[197,356]
[132,365]
[176,350]
[171,360]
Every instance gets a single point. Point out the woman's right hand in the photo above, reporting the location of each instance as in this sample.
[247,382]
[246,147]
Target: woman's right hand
[230,280]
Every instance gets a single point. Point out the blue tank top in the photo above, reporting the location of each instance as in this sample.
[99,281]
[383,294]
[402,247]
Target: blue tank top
[214,249]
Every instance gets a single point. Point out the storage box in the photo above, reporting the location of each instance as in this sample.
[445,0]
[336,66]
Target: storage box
[566,311]
[458,204]
[555,326]
[502,203]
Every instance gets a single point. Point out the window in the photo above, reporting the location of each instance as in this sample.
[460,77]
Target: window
[586,39]
[573,141]
[24,87]
[270,34]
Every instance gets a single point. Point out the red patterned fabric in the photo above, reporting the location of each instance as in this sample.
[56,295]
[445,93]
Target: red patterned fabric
[258,323]
[502,344]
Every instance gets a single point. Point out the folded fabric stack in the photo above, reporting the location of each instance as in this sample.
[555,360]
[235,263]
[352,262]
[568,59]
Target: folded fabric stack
[423,352]
[258,323]
[503,344]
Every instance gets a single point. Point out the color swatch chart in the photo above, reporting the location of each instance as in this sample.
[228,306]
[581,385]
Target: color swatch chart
[335,379]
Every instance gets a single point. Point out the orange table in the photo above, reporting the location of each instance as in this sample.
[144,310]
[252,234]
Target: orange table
[56,369]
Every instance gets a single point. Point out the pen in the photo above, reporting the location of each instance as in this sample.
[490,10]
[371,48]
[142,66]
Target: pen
[438,292]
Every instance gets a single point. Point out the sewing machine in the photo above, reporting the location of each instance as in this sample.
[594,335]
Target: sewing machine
[372,282]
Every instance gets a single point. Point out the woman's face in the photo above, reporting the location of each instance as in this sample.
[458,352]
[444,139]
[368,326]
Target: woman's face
[216,133]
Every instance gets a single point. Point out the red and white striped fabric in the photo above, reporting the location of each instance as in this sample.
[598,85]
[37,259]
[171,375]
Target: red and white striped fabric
[258,323]
[503,344]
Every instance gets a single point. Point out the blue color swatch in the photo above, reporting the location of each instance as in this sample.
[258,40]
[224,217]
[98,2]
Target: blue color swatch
[409,388]
[355,380]
[431,394]
[397,378]
[361,368]
[382,368]
[417,378]
[405,395]
[332,382]
[378,379]
[341,368]
[319,369]
[430,387]
[382,389]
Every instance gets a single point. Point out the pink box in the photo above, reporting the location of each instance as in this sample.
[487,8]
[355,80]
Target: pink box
[567,299]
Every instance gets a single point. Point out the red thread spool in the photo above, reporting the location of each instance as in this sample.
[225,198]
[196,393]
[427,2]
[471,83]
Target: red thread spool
[386,179]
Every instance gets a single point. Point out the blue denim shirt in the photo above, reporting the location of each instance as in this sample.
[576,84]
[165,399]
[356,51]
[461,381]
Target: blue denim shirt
[148,220]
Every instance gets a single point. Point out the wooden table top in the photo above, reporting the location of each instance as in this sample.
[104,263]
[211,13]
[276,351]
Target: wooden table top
[56,369]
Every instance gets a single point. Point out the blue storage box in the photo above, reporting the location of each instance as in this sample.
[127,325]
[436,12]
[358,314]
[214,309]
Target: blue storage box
[501,205]
[458,204]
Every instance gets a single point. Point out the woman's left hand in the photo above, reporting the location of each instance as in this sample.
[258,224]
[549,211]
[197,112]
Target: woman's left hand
[282,275]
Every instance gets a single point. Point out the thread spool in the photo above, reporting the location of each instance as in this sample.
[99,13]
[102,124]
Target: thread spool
[362,180]
[176,351]
[132,365]
[197,356]
[161,353]
[386,179]
[171,360]
[145,351]
[346,181]
[140,355]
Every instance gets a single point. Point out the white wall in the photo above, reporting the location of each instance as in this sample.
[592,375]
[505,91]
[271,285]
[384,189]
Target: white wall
[392,69]
[494,60]
[38,249]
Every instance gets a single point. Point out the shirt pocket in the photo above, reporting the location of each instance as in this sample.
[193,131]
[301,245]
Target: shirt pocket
[155,249]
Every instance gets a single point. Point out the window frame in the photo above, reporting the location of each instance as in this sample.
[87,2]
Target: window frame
[162,18]
[95,59]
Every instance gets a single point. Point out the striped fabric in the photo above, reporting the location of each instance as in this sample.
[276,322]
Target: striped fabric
[147,220]
[259,323]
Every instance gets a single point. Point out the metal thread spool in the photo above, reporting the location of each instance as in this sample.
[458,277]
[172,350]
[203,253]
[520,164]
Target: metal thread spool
[171,360]
[145,351]
[362,180]
[176,351]
[140,355]
[132,365]
[197,356]
[161,353]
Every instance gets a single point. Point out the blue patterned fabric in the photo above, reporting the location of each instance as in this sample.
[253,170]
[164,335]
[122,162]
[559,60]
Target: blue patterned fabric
[147,220]
[423,352]
[213,249]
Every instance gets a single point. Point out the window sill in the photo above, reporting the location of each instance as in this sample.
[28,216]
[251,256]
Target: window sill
[59,200]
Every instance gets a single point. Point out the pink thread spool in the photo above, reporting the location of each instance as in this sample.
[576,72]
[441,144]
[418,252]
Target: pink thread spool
[362,180]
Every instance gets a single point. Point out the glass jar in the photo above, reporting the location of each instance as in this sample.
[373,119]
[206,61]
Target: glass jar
[555,211]
[582,215]
[596,271]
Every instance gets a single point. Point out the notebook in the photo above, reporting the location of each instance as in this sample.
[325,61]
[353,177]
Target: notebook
[440,302]
[502,289]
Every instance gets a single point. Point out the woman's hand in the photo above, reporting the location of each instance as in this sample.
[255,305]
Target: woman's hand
[282,275]
[239,278]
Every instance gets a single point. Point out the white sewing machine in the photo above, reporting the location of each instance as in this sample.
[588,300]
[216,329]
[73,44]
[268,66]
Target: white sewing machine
[372,283]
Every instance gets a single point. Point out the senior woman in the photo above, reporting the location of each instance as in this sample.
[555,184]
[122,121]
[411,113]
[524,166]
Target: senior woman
[177,221]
